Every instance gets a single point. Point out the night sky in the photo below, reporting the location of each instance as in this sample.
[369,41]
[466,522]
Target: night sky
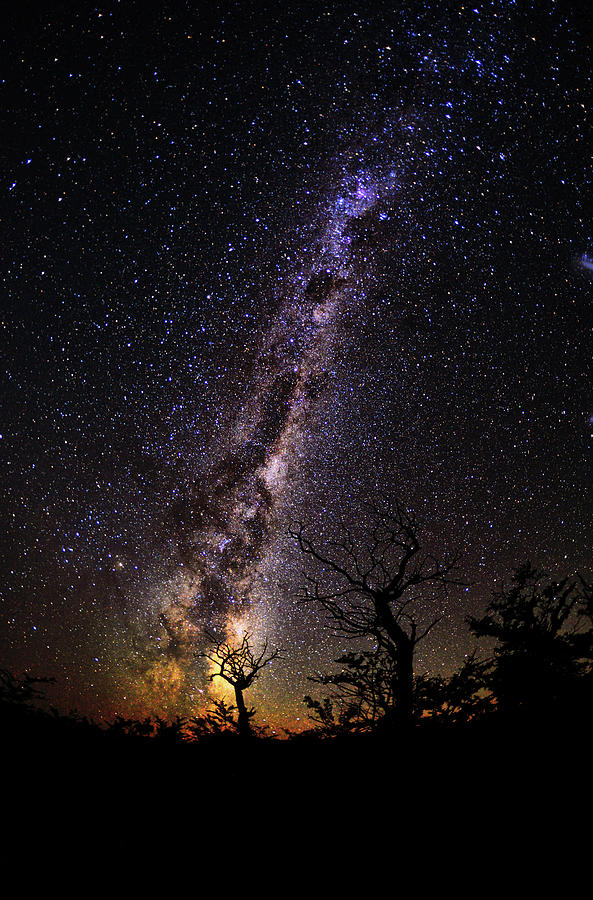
[261,265]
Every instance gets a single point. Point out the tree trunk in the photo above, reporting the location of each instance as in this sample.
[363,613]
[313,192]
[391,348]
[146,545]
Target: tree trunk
[401,716]
[404,689]
[243,715]
[401,650]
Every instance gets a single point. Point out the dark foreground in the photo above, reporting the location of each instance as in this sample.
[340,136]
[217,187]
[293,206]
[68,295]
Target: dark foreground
[87,796]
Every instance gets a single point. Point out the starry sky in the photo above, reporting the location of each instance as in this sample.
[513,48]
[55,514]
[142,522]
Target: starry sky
[263,264]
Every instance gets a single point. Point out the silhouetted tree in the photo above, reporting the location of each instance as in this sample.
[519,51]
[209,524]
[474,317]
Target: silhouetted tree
[15,691]
[136,728]
[328,721]
[361,693]
[540,654]
[583,639]
[376,590]
[239,666]
[170,731]
[218,719]
[19,703]
[459,699]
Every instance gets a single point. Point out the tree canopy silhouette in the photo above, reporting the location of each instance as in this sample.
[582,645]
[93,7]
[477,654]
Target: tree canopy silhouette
[543,650]
[379,589]
[462,698]
[361,693]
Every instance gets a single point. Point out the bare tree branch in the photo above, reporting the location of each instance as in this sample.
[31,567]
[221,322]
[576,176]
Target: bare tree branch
[239,666]
[376,590]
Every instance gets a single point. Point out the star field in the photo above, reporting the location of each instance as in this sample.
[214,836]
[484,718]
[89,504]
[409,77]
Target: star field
[262,265]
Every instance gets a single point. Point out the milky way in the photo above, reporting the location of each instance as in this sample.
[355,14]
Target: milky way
[225,521]
[266,266]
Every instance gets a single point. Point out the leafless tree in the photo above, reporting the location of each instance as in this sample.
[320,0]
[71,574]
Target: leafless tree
[376,589]
[239,666]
